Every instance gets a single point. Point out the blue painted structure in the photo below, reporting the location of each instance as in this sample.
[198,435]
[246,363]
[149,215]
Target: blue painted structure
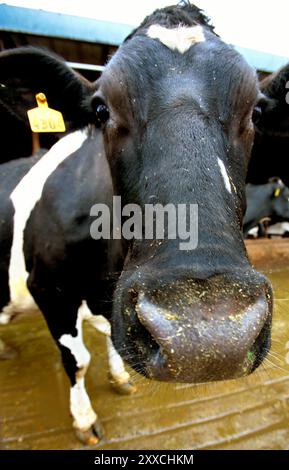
[43,23]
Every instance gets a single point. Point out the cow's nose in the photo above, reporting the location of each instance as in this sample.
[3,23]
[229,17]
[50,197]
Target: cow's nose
[205,331]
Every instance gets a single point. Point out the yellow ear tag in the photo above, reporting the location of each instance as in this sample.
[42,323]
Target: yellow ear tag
[44,119]
[277,192]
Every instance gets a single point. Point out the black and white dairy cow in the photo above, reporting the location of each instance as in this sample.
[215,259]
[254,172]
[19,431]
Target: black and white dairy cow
[169,121]
[266,201]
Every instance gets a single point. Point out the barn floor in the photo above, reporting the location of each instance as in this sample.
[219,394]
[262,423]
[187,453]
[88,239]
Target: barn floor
[252,413]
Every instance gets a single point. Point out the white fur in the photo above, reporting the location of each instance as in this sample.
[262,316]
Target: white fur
[24,197]
[225,176]
[180,38]
[116,365]
[253,232]
[278,229]
[76,345]
[6,315]
[99,322]
[80,407]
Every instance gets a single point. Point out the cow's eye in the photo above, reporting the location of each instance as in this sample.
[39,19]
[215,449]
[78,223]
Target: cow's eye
[257,113]
[102,113]
[100,110]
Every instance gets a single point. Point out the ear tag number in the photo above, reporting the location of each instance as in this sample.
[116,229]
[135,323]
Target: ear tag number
[277,192]
[44,119]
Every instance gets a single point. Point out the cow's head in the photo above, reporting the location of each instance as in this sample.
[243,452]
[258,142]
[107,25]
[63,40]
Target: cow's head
[279,198]
[175,106]
[178,129]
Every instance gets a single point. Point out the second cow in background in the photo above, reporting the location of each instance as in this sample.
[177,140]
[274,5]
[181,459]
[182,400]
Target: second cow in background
[266,201]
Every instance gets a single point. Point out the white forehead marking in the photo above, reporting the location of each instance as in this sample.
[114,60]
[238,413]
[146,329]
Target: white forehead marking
[24,197]
[225,175]
[180,38]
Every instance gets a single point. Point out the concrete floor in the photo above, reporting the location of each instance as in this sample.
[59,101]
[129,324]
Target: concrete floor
[251,413]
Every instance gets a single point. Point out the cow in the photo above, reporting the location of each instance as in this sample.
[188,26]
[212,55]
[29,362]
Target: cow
[270,149]
[170,120]
[266,201]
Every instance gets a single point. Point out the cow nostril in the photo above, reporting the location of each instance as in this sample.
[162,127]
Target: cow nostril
[147,323]
[133,296]
[147,315]
[260,348]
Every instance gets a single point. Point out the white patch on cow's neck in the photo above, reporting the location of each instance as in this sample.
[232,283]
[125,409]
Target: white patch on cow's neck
[225,175]
[24,198]
[180,38]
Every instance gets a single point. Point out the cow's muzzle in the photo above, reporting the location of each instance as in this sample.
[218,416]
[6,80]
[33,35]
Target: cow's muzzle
[195,330]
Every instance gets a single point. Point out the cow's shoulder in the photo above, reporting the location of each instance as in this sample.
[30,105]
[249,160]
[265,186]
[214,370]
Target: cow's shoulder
[57,233]
[12,172]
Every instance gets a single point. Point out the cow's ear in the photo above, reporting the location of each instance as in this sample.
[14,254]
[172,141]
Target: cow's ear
[277,181]
[26,71]
[273,105]
[277,186]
